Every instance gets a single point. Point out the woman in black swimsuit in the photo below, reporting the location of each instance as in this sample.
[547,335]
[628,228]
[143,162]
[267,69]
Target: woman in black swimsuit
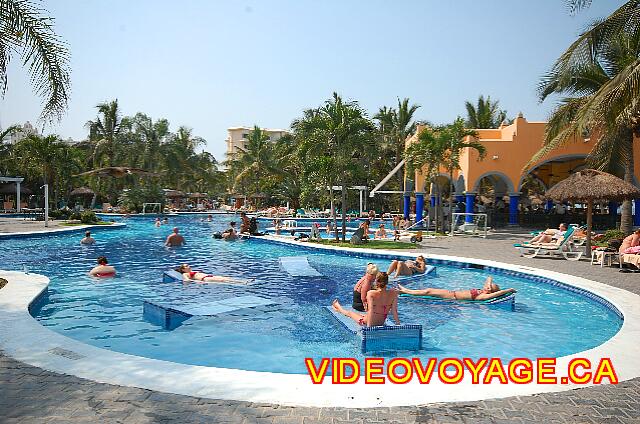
[363,286]
[381,302]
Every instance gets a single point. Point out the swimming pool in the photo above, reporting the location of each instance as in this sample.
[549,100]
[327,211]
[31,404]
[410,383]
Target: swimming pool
[547,321]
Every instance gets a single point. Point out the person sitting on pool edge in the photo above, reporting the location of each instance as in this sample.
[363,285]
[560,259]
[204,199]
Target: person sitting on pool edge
[408,267]
[175,239]
[190,275]
[490,290]
[381,301]
[362,287]
[87,240]
[103,269]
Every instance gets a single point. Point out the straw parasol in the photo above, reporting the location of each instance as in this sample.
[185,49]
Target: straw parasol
[197,195]
[82,191]
[589,186]
[11,189]
[174,193]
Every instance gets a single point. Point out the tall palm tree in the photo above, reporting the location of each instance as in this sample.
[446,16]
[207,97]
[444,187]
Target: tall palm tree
[600,76]
[103,132]
[340,130]
[255,160]
[24,29]
[43,155]
[486,114]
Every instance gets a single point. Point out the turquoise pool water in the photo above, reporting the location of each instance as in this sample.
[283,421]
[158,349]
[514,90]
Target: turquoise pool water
[547,321]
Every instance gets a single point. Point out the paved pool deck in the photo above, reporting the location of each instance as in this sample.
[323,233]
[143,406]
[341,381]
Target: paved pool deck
[32,395]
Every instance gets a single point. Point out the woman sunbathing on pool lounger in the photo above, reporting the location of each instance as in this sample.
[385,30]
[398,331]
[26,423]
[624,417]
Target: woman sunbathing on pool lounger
[381,301]
[490,290]
[189,275]
[408,267]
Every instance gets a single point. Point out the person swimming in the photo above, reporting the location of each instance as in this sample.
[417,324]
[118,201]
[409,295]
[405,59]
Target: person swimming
[489,290]
[157,223]
[103,269]
[87,240]
[175,239]
[189,275]
[408,267]
[381,302]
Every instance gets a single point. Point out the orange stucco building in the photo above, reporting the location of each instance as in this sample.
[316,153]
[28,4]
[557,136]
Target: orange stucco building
[508,150]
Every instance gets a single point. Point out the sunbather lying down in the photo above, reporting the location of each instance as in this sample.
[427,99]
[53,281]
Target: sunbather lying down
[549,235]
[490,290]
[201,277]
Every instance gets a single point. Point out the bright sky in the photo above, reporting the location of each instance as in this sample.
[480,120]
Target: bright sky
[210,65]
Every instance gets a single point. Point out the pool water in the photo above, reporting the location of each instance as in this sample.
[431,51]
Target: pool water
[547,321]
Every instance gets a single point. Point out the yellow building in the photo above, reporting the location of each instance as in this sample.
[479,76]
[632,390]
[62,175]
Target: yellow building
[237,138]
[508,150]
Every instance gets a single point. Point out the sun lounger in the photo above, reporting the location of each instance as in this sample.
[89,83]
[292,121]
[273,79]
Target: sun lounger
[172,276]
[171,316]
[508,299]
[384,337]
[564,248]
[429,270]
[298,266]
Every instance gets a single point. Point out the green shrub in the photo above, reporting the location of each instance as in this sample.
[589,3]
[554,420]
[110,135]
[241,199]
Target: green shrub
[75,216]
[613,234]
[88,217]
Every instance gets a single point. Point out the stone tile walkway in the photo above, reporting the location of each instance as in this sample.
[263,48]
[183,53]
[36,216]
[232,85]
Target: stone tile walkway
[32,395]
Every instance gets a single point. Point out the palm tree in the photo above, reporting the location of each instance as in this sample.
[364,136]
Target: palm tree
[103,132]
[25,30]
[44,154]
[485,114]
[255,160]
[598,74]
[340,130]
[396,124]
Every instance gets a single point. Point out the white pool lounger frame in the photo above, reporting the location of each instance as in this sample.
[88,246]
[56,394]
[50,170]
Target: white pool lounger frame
[384,337]
[171,316]
[298,266]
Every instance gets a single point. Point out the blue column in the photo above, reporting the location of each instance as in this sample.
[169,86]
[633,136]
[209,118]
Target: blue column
[407,205]
[470,202]
[636,215]
[548,206]
[419,206]
[514,199]
[613,208]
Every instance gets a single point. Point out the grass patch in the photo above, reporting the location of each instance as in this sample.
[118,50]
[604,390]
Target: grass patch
[77,224]
[372,244]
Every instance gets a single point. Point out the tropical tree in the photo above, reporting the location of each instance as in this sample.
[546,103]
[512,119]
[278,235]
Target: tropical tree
[255,161]
[24,29]
[336,132]
[486,113]
[600,76]
[103,133]
[396,124]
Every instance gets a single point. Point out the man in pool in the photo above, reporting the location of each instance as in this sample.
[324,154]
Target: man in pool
[175,239]
[103,269]
[230,233]
[189,275]
[87,240]
[490,290]
[245,222]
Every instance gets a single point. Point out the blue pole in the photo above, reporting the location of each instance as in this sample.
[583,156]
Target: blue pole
[514,199]
[470,202]
[419,206]
[407,205]
[548,206]
[636,215]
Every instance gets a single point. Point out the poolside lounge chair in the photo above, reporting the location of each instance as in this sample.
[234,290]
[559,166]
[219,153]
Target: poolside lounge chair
[564,247]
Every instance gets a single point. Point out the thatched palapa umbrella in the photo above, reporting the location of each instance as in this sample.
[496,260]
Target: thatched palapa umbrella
[82,191]
[589,186]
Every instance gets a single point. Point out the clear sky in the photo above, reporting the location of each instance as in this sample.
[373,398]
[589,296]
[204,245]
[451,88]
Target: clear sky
[210,65]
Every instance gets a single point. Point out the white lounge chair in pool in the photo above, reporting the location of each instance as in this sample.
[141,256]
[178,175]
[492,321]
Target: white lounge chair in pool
[565,248]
